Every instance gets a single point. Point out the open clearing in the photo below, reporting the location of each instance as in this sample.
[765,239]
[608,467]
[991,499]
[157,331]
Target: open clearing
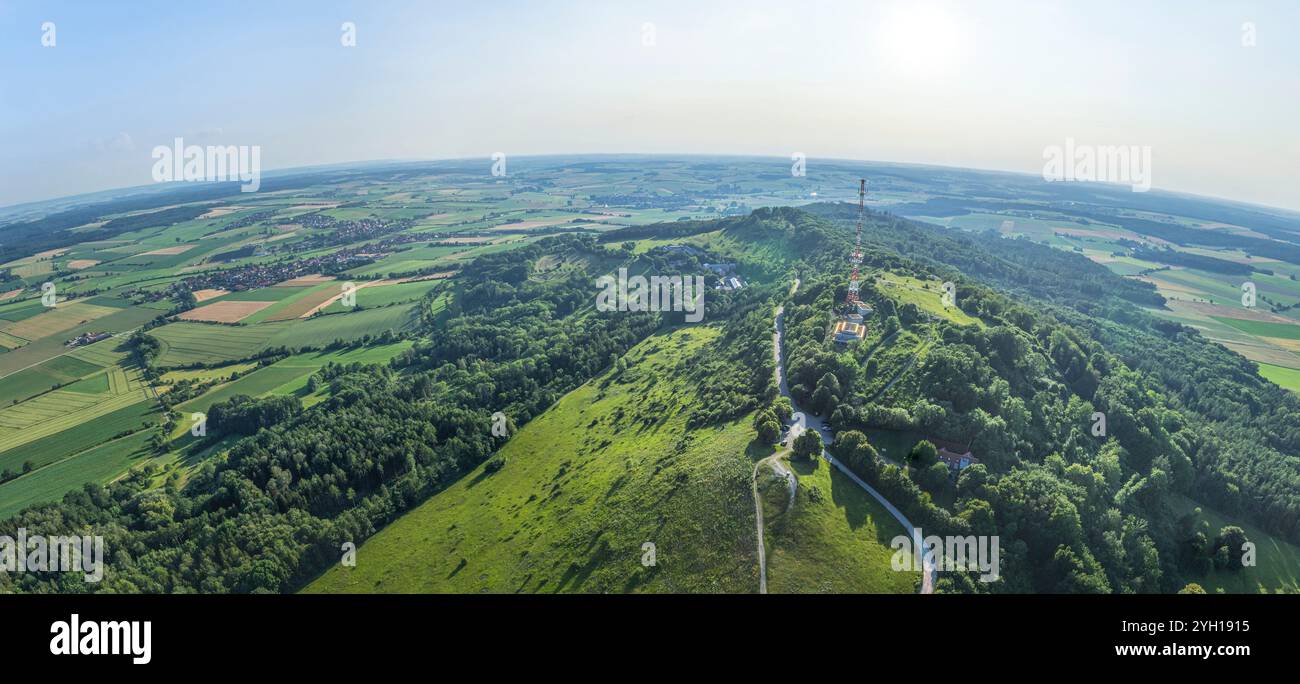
[836,541]
[1277,566]
[229,311]
[79,264]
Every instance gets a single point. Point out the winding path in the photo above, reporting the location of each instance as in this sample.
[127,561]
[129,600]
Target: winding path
[815,423]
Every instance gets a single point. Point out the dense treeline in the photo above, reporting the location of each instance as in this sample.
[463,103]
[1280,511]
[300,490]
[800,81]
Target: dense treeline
[1200,261]
[1077,511]
[276,510]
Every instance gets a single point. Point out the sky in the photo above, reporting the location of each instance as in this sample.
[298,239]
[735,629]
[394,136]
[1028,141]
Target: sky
[1212,87]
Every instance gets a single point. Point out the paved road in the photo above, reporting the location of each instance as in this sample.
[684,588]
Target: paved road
[814,423]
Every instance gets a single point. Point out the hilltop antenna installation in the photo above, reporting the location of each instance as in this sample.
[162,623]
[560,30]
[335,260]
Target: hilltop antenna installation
[856,259]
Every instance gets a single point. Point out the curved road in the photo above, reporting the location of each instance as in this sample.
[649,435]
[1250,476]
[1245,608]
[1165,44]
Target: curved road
[815,423]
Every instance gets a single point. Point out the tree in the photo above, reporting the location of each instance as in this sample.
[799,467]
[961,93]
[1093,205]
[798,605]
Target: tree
[1192,588]
[1232,539]
[769,430]
[924,454]
[808,445]
[783,410]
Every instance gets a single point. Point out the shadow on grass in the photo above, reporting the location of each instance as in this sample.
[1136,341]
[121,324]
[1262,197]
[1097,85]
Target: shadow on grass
[757,451]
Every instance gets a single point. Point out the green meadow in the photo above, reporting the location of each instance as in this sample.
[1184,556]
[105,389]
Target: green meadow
[1277,566]
[833,539]
[574,505]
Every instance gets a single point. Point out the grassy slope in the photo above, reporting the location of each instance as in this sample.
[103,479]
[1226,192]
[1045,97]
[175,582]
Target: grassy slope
[1277,565]
[585,485]
[839,544]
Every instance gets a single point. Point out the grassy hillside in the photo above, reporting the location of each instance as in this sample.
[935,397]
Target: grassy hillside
[585,485]
[1277,563]
[835,539]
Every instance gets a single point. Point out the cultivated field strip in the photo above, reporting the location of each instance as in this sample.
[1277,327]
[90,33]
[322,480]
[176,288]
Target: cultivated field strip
[185,343]
[55,412]
[10,342]
[58,319]
[100,353]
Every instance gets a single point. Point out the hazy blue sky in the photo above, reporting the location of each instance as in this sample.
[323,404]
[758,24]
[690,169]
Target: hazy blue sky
[976,83]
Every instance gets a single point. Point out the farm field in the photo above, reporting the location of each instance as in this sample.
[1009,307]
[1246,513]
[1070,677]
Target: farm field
[53,346]
[302,305]
[347,326]
[97,464]
[1282,377]
[255,384]
[60,410]
[60,444]
[56,319]
[186,343]
[384,295]
[227,311]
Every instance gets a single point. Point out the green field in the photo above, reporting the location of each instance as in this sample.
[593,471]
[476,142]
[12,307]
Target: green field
[927,296]
[49,483]
[185,343]
[1277,566]
[1288,378]
[20,386]
[347,327]
[1285,331]
[573,506]
[255,384]
[54,447]
[384,295]
[95,384]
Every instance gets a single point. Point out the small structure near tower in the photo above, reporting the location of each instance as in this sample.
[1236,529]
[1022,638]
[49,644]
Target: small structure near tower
[852,326]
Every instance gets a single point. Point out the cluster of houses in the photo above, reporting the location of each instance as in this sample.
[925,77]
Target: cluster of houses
[726,273]
[253,276]
[727,278]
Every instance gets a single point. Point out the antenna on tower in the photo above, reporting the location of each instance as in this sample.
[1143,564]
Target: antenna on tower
[856,258]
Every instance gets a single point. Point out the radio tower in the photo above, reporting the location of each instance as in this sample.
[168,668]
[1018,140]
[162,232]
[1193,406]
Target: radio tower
[856,259]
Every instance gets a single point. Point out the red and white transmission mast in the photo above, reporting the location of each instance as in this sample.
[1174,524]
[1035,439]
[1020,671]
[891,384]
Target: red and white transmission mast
[856,259]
